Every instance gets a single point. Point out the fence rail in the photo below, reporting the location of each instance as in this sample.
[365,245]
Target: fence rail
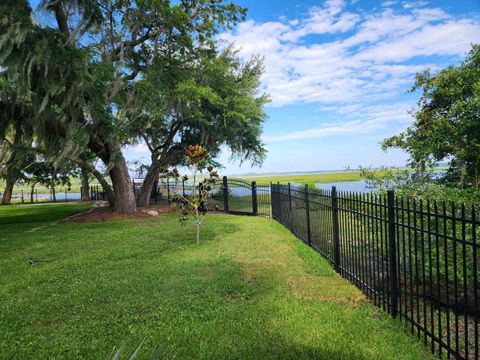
[417,260]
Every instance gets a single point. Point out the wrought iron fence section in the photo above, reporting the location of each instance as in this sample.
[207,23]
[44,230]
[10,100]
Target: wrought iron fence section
[42,194]
[415,259]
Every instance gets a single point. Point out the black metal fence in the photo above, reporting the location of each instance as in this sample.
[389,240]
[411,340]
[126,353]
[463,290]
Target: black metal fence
[237,196]
[415,259]
[229,195]
[42,194]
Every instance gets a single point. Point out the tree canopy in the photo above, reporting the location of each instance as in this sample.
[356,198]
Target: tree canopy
[101,74]
[447,122]
[212,102]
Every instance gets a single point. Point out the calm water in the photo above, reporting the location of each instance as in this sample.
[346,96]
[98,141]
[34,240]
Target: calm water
[356,186]
[60,196]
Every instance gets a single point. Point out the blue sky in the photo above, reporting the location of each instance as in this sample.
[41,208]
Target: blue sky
[337,72]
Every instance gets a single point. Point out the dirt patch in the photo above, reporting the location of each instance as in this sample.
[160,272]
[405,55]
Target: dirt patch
[104,213]
[324,289]
[37,228]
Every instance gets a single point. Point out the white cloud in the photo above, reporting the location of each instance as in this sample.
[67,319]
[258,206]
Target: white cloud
[141,148]
[388,3]
[323,20]
[449,38]
[360,55]
[414,4]
[354,60]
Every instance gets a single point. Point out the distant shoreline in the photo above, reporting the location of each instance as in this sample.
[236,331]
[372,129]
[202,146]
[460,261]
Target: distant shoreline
[314,172]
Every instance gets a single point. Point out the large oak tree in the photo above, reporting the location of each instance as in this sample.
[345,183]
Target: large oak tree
[214,102]
[78,61]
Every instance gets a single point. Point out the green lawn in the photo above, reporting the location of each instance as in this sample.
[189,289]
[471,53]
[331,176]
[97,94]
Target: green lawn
[16,219]
[250,291]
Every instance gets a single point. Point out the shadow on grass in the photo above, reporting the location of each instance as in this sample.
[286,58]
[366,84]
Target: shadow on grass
[146,279]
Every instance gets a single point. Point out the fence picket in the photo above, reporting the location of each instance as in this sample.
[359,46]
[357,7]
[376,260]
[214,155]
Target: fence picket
[393,277]
[307,213]
[336,231]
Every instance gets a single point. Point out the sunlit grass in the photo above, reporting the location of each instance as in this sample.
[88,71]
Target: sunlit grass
[250,291]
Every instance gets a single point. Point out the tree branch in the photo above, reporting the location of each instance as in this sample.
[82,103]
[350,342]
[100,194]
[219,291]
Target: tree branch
[132,43]
[61,17]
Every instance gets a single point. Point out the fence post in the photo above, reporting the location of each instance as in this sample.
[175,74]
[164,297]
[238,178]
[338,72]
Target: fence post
[98,193]
[183,188]
[271,201]
[289,206]
[307,209]
[254,198]
[168,189]
[22,197]
[36,195]
[336,232]
[393,275]
[225,195]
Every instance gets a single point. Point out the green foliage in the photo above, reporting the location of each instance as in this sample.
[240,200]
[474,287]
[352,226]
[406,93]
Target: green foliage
[447,125]
[78,77]
[245,288]
[78,62]
[45,173]
[426,185]
[209,99]
[195,203]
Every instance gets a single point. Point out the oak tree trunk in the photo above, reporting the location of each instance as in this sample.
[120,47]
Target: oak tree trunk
[108,191]
[122,186]
[54,195]
[7,193]
[148,184]
[11,172]
[85,186]
[32,192]
[105,185]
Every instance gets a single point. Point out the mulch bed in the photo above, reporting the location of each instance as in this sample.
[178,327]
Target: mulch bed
[105,213]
